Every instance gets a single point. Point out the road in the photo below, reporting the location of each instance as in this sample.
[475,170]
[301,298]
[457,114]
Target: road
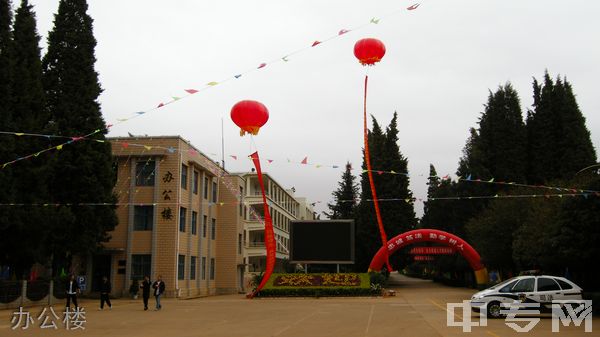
[417,310]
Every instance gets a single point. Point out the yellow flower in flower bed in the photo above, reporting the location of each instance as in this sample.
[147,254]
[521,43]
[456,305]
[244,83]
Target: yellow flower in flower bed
[340,280]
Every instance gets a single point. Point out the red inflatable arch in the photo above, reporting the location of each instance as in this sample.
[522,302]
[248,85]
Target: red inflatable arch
[436,236]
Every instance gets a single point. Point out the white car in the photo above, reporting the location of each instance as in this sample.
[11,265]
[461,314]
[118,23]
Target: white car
[541,289]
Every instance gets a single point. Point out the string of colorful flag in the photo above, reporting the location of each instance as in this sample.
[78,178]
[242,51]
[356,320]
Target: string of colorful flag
[247,203]
[208,85]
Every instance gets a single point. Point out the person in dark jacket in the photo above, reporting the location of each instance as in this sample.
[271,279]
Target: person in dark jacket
[105,289]
[72,289]
[159,289]
[146,284]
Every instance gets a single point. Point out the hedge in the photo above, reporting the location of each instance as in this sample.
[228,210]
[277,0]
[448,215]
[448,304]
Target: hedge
[363,289]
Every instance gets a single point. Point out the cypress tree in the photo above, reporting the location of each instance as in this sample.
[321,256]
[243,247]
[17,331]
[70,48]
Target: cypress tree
[6,124]
[367,238]
[81,172]
[559,143]
[28,111]
[345,197]
[502,136]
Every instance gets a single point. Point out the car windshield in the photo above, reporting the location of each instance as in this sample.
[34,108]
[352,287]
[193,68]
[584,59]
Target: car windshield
[499,285]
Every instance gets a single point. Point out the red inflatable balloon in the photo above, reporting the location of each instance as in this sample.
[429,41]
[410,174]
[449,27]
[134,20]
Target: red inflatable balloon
[369,51]
[249,116]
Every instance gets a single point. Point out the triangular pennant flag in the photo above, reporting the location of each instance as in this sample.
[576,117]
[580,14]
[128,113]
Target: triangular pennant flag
[491,180]
[318,166]
[192,151]
[380,172]
[99,141]
[262,65]
[335,166]
[285,58]
[468,177]
[212,84]
[413,7]
[270,160]
[316,43]
[191,91]
[122,119]
[393,172]
[108,126]
[304,161]
[343,31]
[59,147]
[160,105]
[140,112]
[76,138]
[147,147]
[407,200]
[234,157]
[175,98]
[171,149]
[374,20]
[125,145]
[237,76]
[19,133]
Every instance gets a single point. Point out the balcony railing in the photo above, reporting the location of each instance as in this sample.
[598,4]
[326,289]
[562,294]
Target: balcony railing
[255,245]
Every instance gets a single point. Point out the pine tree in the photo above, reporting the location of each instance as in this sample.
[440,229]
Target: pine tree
[559,143]
[502,138]
[436,213]
[398,216]
[345,197]
[28,112]
[82,171]
[6,123]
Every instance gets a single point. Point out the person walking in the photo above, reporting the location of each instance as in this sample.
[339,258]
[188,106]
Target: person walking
[105,290]
[72,289]
[146,284]
[159,289]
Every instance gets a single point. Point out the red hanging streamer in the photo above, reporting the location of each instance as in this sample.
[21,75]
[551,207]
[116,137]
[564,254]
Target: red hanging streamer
[269,234]
[370,174]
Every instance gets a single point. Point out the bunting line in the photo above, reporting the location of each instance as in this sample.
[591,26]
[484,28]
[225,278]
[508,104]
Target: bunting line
[192,91]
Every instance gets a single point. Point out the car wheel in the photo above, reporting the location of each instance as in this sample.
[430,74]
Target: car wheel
[493,310]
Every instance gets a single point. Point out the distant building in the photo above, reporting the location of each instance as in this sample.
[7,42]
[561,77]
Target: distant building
[307,211]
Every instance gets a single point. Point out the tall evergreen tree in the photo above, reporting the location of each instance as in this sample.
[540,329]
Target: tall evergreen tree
[438,214]
[81,172]
[397,216]
[28,114]
[6,123]
[559,143]
[502,138]
[345,197]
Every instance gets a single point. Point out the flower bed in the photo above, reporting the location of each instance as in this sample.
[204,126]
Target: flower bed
[317,285]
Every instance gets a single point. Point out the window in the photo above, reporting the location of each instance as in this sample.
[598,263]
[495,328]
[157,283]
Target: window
[212,268]
[214,191]
[547,284]
[182,215]
[140,266]
[144,173]
[204,225]
[195,187]
[205,188]
[525,285]
[564,285]
[181,267]
[194,221]
[213,229]
[192,268]
[203,268]
[184,176]
[143,217]
[241,200]
[239,243]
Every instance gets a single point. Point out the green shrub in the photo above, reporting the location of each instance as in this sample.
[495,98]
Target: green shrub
[364,289]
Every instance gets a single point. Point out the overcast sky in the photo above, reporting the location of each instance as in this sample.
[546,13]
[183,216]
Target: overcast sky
[441,61]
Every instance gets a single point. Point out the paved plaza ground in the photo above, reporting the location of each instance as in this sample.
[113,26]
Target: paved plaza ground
[417,310]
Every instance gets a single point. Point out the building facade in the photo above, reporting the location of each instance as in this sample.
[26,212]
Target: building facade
[179,217]
[283,207]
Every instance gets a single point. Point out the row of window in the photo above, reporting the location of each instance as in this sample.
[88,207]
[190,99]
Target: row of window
[193,267]
[145,173]
[143,218]
[141,266]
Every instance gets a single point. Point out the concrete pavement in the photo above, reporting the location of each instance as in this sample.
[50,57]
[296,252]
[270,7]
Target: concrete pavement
[417,310]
